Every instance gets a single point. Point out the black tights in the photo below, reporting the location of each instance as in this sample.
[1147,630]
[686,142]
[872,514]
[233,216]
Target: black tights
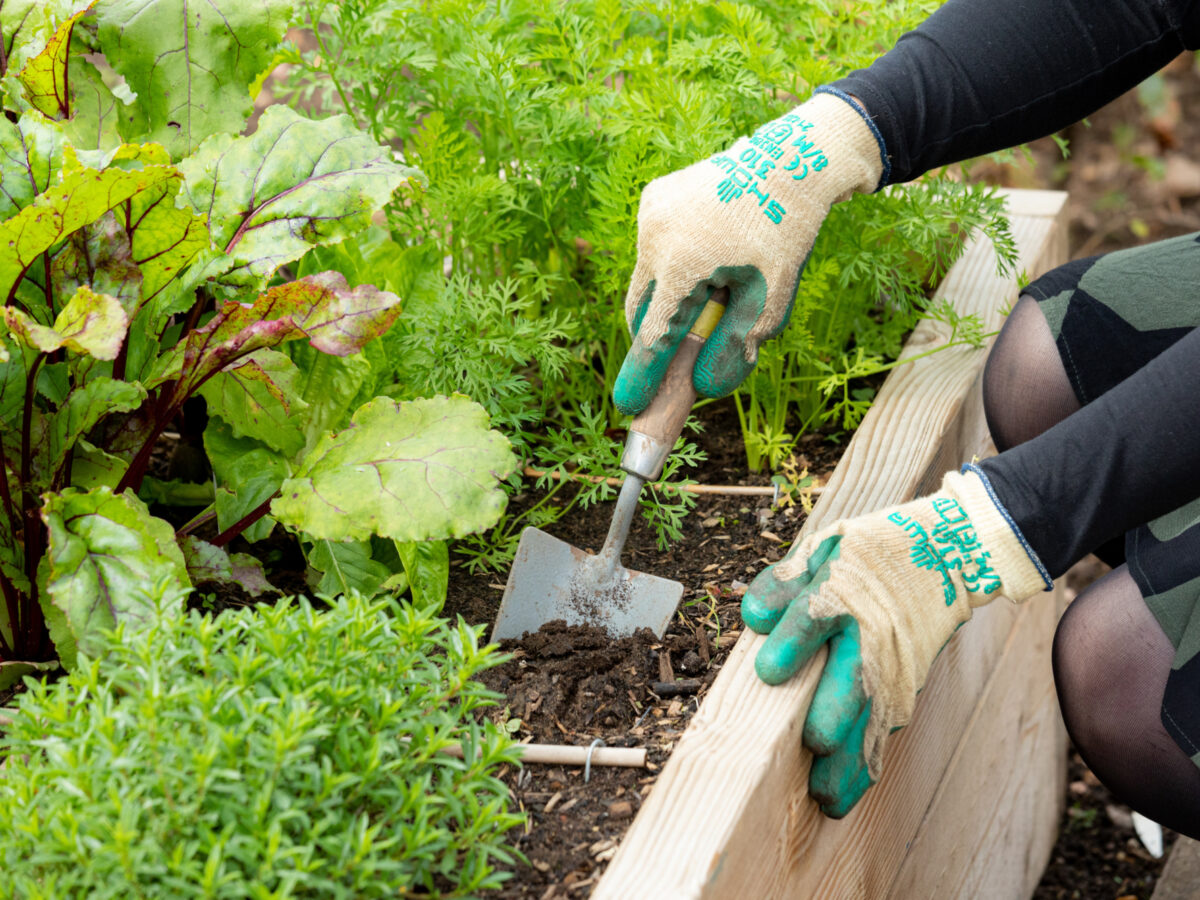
[1111,658]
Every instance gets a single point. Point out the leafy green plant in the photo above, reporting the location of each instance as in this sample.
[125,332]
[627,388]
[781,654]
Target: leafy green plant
[143,260]
[278,751]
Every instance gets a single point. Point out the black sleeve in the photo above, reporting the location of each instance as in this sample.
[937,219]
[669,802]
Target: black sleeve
[981,75]
[1124,459]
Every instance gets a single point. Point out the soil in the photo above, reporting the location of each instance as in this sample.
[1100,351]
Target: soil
[572,684]
[1098,854]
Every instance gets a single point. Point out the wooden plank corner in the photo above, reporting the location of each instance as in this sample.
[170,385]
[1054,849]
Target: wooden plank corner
[730,815]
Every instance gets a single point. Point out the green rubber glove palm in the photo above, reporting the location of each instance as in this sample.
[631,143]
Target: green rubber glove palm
[885,592]
[744,220]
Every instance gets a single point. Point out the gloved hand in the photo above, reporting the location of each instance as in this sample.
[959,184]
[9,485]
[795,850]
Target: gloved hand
[744,219]
[886,591]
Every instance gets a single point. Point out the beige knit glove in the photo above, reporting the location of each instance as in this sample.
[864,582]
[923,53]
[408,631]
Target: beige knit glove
[744,219]
[886,591]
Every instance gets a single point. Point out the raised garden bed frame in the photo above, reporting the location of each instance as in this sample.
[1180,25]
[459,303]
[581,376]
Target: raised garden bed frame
[973,788]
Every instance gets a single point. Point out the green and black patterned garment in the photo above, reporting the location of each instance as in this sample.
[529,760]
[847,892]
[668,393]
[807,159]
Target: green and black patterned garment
[1125,325]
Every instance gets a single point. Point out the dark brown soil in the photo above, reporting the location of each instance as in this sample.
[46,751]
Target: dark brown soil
[572,685]
[1098,854]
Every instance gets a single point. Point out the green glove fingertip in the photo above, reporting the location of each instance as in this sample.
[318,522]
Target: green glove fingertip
[722,364]
[840,807]
[641,373]
[838,781]
[839,699]
[767,598]
[644,366]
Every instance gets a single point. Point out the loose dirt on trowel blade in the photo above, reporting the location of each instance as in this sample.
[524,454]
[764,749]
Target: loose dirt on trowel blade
[571,685]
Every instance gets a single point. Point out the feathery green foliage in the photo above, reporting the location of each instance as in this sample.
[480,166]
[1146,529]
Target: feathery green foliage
[539,124]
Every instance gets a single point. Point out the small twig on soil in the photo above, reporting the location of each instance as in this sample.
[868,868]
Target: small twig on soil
[681,688]
[570,755]
[737,490]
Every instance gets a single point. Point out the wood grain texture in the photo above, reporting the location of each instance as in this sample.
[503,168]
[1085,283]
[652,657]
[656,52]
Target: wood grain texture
[730,815]
[664,418]
[992,843]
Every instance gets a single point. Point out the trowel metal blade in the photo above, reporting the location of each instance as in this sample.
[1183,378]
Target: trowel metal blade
[550,579]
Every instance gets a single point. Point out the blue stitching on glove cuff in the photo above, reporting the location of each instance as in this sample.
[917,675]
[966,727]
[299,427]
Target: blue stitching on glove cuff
[857,107]
[1033,557]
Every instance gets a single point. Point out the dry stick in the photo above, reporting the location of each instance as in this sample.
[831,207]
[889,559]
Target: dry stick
[570,755]
[737,490]
[682,688]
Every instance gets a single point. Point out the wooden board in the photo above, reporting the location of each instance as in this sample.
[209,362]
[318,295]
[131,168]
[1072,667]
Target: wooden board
[730,815]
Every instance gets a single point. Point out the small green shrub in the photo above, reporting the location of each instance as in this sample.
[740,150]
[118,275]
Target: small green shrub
[279,751]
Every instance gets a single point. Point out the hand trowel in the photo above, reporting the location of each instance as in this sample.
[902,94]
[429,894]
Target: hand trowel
[550,579]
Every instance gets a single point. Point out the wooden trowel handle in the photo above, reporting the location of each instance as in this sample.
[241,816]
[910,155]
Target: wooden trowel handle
[663,420]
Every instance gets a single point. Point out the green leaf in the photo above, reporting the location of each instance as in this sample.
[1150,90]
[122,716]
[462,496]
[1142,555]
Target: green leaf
[137,249]
[247,473]
[109,561]
[85,407]
[249,575]
[165,235]
[330,386]
[44,77]
[81,197]
[258,399]
[97,114]
[427,564]
[209,564]
[345,567]
[32,151]
[99,257]
[191,64]
[176,492]
[322,308]
[90,324]
[204,561]
[92,467]
[28,26]
[13,671]
[420,470]
[295,183]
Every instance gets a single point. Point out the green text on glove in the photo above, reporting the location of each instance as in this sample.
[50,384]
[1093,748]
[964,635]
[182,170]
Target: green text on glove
[953,546]
[747,173]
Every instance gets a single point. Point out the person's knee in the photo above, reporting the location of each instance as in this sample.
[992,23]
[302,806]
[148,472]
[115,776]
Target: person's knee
[1076,678]
[1100,677]
[1025,387]
[1111,661]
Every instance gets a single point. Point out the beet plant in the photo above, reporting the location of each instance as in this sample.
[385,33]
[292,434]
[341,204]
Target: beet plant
[147,259]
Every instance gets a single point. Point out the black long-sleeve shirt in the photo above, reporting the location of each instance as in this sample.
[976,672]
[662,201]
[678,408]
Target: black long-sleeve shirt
[982,75]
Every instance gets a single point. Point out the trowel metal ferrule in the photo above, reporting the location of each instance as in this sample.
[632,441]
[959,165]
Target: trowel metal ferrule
[644,456]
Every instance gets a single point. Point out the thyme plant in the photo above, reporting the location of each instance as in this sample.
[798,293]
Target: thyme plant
[281,751]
